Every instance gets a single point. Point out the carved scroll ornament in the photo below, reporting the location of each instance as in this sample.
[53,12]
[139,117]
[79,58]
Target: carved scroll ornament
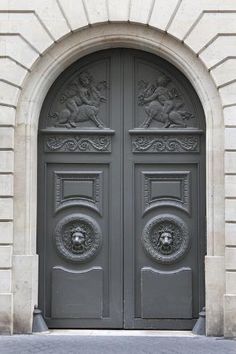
[77,143]
[165,143]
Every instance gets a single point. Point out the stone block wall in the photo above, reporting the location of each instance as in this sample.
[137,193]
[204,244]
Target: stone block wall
[28,29]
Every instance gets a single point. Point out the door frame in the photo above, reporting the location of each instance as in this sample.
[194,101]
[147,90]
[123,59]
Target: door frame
[44,73]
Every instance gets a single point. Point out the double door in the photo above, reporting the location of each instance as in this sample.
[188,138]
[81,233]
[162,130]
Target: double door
[121,195]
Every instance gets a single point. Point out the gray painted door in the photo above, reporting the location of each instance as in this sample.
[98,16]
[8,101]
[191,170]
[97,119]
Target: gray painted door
[121,195]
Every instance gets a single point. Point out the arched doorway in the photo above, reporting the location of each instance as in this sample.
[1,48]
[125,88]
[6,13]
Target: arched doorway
[121,195]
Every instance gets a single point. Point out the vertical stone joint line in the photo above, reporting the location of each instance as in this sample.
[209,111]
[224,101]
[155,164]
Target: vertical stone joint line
[44,27]
[129,10]
[86,12]
[193,26]
[107,8]
[63,14]
[177,6]
[150,11]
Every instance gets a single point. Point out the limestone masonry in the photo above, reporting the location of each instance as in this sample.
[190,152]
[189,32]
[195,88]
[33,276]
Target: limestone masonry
[38,40]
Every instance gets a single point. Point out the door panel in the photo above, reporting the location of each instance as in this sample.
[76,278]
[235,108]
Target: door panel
[80,268]
[165,237]
[121,211]
[78,218]
[171,295]
[86,285]
[164,210]
[79,224]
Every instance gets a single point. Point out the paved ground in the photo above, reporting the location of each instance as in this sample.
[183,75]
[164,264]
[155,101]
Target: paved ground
[76,344]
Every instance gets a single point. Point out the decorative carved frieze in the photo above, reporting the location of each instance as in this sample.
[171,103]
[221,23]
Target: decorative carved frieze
[166,143]
[166,238]
[77,143]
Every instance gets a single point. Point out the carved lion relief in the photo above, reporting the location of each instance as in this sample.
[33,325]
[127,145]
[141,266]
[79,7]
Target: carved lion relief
[166,238]
[80,102]
[78,237]
[162,103]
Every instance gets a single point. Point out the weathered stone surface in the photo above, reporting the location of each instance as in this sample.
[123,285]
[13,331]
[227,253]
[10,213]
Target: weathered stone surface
[6,185]
[9,94]
[118,10]
[230,115]
[75,13]
[230,258]
[140,11]
[5,256]
[28,25]
[229,315]
[225,72]
[6,208]
[190,13]
[11,71]
[230,234]
[7,116]
[161,14]
[6,232]
[6,161]
[208,27]
[230,282]
[5,281]
[97,11]
[17,48]
[230,207]
[214,295]
[230,186]
[221,48]
[25,272]
[228,94]
[230,162]
[6,312]
[230,138]
[6,138]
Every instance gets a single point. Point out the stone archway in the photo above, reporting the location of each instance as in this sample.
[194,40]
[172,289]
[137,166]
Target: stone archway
[36,87]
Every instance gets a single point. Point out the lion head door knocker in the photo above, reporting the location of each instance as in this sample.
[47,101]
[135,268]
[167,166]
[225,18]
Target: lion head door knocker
[81,101]
[166,238]
[166,242]
[162,103]
[78,238]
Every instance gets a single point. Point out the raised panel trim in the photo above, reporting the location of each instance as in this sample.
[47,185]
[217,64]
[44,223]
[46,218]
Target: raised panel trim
[183,176]
[83,301]
[96,203]
[171,299]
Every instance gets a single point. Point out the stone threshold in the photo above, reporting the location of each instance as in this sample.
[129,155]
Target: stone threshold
[119,333]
